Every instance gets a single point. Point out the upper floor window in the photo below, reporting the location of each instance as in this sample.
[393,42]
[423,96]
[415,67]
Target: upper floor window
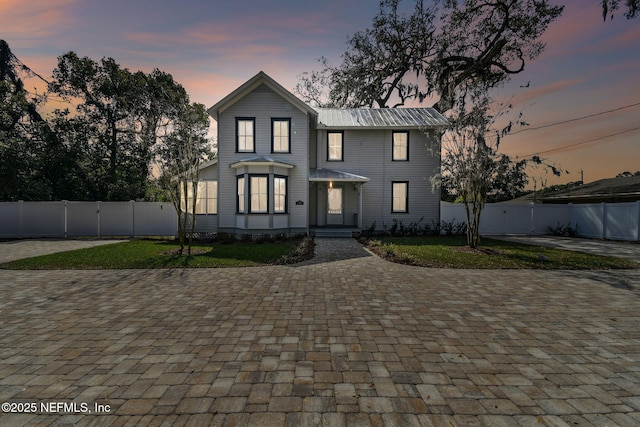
[335,146]
[281,135]
[245,135]
[400,196]
[400,146]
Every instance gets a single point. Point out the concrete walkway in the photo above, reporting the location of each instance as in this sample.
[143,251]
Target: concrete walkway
[356,341]
[629,250]
[18,249]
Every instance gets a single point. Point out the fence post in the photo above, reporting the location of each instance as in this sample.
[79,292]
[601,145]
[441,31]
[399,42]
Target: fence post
[66,217]
[132,203]
[604,221]
[98,219]
[20,218]
[532,204]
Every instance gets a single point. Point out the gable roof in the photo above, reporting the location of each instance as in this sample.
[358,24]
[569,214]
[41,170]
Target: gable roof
[250,85]
[360,118]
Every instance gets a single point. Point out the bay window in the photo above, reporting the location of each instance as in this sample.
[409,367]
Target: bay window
[258,194]
[280,194]
[240,202]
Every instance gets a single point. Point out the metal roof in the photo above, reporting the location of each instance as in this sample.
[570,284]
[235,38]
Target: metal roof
[343,118]
[334,175]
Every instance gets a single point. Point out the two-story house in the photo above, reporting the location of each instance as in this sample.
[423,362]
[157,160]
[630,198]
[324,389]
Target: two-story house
[285,167]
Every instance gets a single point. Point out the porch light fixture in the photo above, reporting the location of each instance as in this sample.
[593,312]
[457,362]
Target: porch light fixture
[330,184]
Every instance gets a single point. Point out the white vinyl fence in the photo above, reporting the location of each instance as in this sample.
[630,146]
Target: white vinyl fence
[615,221]
[87,219]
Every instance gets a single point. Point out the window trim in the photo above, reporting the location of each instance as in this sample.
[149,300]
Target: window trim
[406,198]
[238,195]
[202,196]
[286,194]
[393,145]
[341,133]
[208,196]
[245,119]
[250,208]
[275,120]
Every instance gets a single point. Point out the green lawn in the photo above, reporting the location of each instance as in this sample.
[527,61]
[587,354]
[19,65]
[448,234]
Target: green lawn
[160,254]
[453,252]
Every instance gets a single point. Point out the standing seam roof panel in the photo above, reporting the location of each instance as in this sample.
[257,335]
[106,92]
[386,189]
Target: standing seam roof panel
[380,117]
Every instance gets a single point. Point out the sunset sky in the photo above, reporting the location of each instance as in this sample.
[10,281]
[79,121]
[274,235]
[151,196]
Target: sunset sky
[211,47]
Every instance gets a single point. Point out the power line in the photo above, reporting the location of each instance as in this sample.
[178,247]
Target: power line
[575,119]
[583,142]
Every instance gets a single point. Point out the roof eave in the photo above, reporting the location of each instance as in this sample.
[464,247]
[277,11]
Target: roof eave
[398,127]
[242,163]
[250,85]
[363,179]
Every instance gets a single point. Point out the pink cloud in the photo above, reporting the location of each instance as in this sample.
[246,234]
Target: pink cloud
[534,93]
[566,35]
[249,28]
[23,21]
[628,38]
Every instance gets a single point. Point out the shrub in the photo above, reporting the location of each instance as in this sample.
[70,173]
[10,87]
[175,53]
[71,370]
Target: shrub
[564,230]
[303,251]
[453,228]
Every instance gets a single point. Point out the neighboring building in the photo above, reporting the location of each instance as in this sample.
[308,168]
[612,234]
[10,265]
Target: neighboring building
[621,189]
[283,166]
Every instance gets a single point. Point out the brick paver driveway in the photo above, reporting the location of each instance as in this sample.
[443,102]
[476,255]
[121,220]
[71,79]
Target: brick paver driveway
[358,341]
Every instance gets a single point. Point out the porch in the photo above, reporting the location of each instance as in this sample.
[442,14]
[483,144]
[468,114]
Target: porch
[335,200]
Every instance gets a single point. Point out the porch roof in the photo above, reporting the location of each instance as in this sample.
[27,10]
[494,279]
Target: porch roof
[262,161]
[324,175]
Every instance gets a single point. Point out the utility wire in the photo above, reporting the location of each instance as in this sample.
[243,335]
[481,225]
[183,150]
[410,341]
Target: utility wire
[582,143]
[575,119]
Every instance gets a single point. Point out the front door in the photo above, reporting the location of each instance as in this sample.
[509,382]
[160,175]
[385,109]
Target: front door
[335,206]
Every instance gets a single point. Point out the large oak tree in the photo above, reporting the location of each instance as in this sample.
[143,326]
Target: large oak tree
[452,54]
[122,114]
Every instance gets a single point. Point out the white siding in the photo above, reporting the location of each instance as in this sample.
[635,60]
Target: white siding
[263,104]
[368,153]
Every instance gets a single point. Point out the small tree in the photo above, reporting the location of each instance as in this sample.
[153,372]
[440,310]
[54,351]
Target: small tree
[471,163]
[179,159]
[472,166]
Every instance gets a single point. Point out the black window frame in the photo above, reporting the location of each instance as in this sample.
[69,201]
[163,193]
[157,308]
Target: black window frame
[245,119]
[406,199]
[274,120]
[393,142]
[286,194]
[244,194]
[341,133]
[249,207]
